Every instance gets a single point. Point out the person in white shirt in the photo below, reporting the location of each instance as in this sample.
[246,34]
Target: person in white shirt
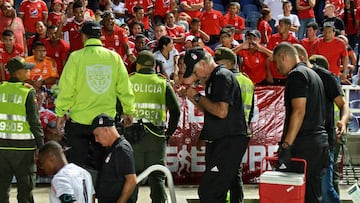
[295,22]
[70,183]
[168,55]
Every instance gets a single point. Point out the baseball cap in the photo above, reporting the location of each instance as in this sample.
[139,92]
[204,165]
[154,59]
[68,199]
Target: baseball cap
[102,120]
[192,56]
[189,38]
[146,58]
[225,53]
[91,28]
[319,60]
[17,63]
[285,20]
[255,33]
[329,24]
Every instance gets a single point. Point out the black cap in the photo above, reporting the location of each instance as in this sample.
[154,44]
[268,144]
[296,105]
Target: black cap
[192,56]
[255,33]
[17,63]
[102,120]
[91,29]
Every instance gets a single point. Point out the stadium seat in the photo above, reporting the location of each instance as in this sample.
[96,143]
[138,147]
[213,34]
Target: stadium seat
[247,9]
[252,18]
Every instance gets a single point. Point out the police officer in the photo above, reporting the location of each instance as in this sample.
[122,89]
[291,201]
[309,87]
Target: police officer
[228,58]
[20,132]
[153,96]
[91,82]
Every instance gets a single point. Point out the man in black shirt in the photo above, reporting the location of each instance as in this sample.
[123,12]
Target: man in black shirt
[304,134]
[117,178]
[224,129]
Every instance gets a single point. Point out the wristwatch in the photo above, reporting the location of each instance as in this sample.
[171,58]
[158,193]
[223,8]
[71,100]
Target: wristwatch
[285,145]
[197,97]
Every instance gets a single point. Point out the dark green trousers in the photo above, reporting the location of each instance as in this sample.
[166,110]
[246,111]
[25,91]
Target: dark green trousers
[21,165]
[150,151]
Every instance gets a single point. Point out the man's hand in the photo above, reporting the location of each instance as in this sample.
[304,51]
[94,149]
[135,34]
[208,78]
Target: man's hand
[284,154]
[128,120]
[60,124]
[340,130]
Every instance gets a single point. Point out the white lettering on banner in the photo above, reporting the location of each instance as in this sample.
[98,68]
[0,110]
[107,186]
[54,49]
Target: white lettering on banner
[195,116]
[177,158]
[147,88]
[11,98]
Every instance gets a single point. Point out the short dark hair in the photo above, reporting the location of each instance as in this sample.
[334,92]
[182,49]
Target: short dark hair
[37,44]
[312,25]
[51,27]
[51,147]
[78,4]
[195,20]
[137,8]
[8,33]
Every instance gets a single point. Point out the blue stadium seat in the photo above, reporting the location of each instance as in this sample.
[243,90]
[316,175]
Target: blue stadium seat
[252,18]
[247,9]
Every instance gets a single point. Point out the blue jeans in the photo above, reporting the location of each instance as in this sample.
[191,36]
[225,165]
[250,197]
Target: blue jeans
[302,28]
[327,188]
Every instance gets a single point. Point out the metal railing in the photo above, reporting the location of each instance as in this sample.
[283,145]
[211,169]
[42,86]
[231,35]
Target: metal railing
[166,171]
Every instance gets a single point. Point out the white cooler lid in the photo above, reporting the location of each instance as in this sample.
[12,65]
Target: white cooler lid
[282,178]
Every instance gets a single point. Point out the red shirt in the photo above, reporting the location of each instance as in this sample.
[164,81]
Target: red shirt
[115,40]
[59,52]
[307,13]
[175,32]
[333,51]
[5,56]
[161,7]
[46,116]
[16,25]
[310,46]
[350,27]
[54,18]
[238,22]
[72,30]
[212,22]
[146,4]
[33,11]
[254,65]
[273,41]
[264,27]
[193,14]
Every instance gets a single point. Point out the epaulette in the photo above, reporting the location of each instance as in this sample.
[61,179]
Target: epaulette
[244,74]
[162,75]
[131,74]
[28,85]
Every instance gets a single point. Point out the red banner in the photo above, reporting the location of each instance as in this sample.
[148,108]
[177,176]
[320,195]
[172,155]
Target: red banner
[187,163]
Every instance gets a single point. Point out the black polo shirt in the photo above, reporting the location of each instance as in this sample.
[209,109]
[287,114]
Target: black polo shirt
[118,163]
[222,86]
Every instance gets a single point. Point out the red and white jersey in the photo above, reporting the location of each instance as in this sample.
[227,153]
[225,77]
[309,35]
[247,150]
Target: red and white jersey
[116,40]
[72,34]
[33,11]
[5,56]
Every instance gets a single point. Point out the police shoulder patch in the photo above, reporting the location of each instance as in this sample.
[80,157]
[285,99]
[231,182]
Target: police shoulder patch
[28,85]
[162,76]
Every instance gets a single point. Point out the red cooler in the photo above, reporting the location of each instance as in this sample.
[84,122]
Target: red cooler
[281,187]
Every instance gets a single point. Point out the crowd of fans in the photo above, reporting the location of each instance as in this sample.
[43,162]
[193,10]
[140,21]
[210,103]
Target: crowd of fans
[46,32]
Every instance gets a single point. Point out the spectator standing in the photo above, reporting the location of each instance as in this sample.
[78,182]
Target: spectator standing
[284,35]
[160,9]
[133,9]
[232,18]
[254,57]
[176,32]
[159,31]
[56,14]
[192,7]
[222,107]
[306,15]
[71,28]
[275,7]
[45,71]
[349,19]
[211,22]
[118,8]
[152,148]
[56,48]
[18,144]
[115,37]
[332,19]
[8,50]
[69,182]
[32,11]
[168,55]
[263,25]
[334,50]
[304,133]
[80,82]
[295,23]
[9,21]
[311,41]
[195,30]
[117,178]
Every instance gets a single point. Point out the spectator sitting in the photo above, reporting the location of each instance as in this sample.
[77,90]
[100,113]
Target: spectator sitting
[40,35]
